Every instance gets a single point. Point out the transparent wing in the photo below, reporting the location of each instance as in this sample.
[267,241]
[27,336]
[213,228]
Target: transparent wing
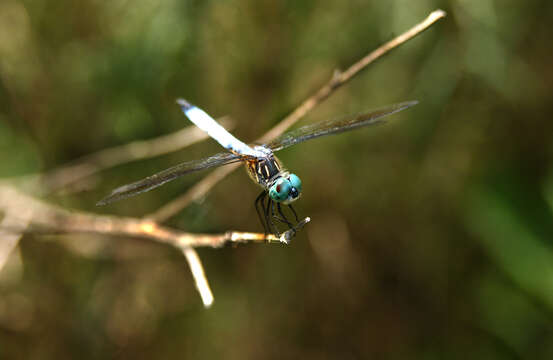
[336,126]
[167,175]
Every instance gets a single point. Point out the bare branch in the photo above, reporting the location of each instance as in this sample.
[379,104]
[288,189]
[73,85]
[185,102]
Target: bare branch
[194,193]
[340,78]
[198,273]
[45,218]
[337,80]
[86,166]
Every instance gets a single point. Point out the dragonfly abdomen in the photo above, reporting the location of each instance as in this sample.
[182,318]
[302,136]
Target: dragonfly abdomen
[205,122]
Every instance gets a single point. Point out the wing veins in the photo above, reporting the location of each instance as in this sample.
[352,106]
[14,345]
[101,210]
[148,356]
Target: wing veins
[336,126]
[164,176]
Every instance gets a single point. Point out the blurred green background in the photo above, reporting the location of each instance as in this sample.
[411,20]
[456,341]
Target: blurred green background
[431,237]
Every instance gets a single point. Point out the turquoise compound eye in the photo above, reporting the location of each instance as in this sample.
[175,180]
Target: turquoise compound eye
[280,190]
[295,182]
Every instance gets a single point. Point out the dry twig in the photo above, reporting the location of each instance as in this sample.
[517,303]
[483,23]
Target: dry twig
[28,214]
[89,165]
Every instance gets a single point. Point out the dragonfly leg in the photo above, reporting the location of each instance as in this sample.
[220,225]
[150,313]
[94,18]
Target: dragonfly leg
[274,217]
[294,211]
[259,208]
[281,218]
[288,223]
[269,213]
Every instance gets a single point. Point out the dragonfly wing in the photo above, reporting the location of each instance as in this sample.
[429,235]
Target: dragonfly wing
[167,175]
[336,126]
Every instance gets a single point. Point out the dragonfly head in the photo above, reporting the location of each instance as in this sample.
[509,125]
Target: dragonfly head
[286,189]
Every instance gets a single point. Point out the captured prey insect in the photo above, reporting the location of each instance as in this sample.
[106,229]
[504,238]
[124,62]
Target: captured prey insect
[280,187]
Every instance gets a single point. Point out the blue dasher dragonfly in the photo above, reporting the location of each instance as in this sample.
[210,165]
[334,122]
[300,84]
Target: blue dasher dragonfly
[280,187]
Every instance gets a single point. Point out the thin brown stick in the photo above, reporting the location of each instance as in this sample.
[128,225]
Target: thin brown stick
[31,215]
[196,192]
[89,165]
[339,79]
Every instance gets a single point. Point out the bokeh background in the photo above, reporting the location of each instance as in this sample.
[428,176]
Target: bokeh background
[431,237]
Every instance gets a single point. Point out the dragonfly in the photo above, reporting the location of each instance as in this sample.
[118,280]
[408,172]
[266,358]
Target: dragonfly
[279,186]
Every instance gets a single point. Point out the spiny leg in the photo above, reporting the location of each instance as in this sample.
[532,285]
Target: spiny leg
[269,220]
[277,217]
[259,208]
[294,211]
[268,223]
[281,217]
[284,217]
[273,215]
[266,212]
[263,204]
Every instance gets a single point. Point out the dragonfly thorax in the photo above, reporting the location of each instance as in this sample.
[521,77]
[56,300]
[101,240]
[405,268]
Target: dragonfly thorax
[264,170]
